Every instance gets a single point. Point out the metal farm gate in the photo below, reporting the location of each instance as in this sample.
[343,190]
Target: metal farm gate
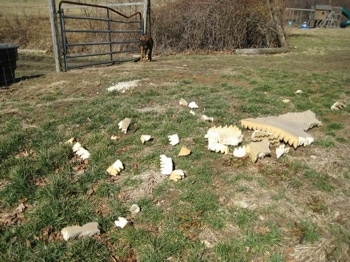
[91,35]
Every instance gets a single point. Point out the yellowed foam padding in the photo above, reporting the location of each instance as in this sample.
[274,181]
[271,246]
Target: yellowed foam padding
[259,150]
[289,127]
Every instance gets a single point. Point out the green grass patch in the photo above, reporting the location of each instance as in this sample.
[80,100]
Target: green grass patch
[197,218]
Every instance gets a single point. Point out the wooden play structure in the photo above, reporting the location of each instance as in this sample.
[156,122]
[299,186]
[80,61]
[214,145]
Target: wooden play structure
[319,16]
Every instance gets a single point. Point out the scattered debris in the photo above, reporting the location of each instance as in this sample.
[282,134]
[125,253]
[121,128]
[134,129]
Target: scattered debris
[121,222]
[227,135]
[286,101]
[177,175]
[145,138]
[134,209]
[289,127]
[259,150]
[184,151]
[281,150]
[166,165]
[124,86]
[241,151]
[192,105]
[338,106]
[114,137]
[115,168]
[80,151]
[192,112]
[217,147]
[174,139]
[71,141]
[124,124]
[206,118]
[183,102]
[88,229]
[298,92]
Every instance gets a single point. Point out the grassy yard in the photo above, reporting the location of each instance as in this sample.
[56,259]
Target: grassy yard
[226,208]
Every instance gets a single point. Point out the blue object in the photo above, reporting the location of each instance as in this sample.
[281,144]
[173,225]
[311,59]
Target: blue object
[304,25]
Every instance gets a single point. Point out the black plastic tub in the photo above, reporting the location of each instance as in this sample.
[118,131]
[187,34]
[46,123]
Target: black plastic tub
[8,63]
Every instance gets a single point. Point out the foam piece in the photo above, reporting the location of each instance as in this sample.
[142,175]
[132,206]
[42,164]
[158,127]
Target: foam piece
[177,175]
[281,150]
[241,151]
[174,139]
[121,222]
[115,168]
[166,165]
[192,105]
[183,102]
[124,124]
[88,229]
[184,151]
[145,138]
[227,135]
[338,105]
[259,150]
[80,151]
[289,127]
[217,147]
[259,135]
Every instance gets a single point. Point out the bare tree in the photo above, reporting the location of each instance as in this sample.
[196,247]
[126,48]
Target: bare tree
[276,12]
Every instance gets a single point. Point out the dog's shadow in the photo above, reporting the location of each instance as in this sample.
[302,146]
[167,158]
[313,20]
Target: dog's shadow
[139,60]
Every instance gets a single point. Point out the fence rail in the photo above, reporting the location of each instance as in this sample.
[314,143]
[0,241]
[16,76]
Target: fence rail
[106,37]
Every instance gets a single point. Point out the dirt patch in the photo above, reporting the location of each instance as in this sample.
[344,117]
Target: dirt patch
[147,183]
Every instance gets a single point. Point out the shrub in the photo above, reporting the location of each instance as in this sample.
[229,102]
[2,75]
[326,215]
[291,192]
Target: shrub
[193,25]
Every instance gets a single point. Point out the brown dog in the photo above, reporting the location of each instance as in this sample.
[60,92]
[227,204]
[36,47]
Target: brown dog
[146,47]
